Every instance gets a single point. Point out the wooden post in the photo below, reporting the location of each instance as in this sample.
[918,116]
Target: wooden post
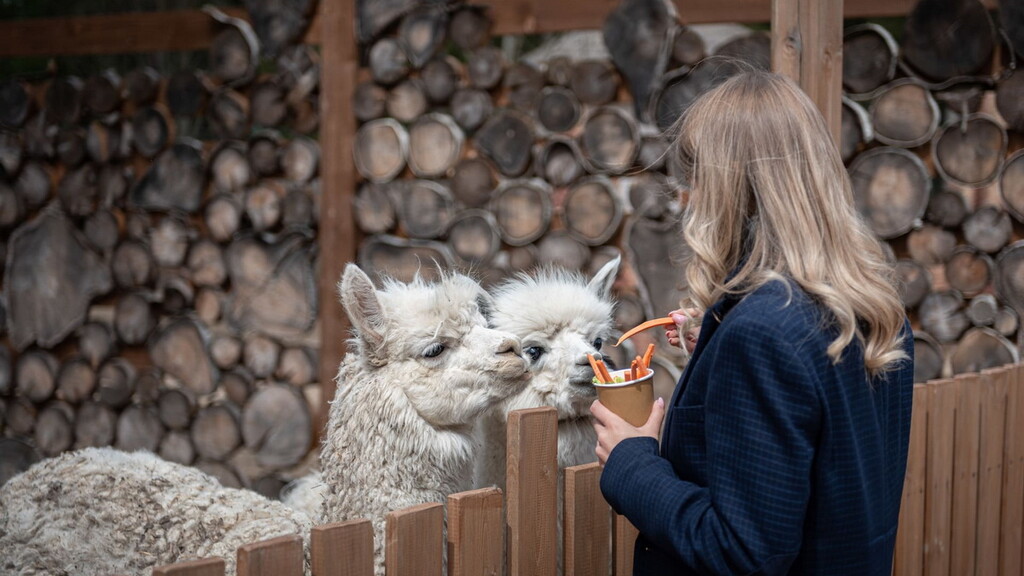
[413,541]
[476,540]
[1012,519]
[342,549]
[205,567]
[990,468]
[939,474]
[585,522]
[624,536]
[531,481]
[909,557]
[966,433]
[337,179]
[280,556]
[807,46]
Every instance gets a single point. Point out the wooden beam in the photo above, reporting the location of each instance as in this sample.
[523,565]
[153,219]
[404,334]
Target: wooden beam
[337,238]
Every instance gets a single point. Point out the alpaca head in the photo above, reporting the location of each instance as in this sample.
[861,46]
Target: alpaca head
[559,318]
[431,341]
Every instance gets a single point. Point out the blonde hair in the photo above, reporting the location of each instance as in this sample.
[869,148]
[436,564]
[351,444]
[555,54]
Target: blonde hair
[772,198]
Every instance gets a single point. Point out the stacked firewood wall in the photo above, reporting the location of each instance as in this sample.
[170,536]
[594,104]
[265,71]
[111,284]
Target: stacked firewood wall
[160,289]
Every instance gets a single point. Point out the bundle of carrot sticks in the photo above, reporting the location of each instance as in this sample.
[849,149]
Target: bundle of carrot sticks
[638,368]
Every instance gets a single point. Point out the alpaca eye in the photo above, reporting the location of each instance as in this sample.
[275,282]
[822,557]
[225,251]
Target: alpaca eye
[534,352]
[433,350]
[598,343]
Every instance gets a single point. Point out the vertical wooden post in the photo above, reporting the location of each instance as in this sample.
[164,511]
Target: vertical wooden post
[337,179]
[807,46]
[966,433]
[909,557]
[532,485]
[413,541]
[280,556]
[476,539]
[206,567]
[990,469]
[939,466]
[585,522]
[342,549]
[1012,519]
[624,536]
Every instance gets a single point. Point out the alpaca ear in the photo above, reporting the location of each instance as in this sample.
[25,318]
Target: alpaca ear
[359,298]
[605,277]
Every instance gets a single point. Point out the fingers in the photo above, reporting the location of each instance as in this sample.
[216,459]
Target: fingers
[653,425]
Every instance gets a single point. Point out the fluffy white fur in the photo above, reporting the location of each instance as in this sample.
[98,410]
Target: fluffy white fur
[102,511]
[401,427]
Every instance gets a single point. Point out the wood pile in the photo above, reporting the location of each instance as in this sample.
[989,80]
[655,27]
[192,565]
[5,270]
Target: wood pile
[159,240]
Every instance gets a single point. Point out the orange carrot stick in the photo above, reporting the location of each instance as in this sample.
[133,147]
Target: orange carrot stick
[604,372]
[633,368]
[648,355]
[597,370]
[641,370]
[666,321]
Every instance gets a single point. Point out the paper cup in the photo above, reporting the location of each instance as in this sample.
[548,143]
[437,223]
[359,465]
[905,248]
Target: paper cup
[631,400]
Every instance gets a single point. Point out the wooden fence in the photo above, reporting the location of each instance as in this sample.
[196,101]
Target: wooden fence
[962,512]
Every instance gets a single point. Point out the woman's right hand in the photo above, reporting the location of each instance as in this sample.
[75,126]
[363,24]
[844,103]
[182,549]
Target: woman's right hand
[688,324]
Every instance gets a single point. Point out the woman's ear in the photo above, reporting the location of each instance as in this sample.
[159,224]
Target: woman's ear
[602,282]
[359,299]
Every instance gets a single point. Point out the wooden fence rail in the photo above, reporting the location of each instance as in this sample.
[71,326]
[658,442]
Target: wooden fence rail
[962,512]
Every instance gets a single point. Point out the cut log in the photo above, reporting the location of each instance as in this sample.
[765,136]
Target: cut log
[306,115]
[640,36]
[855,129]
[943,39]
[610,140]
[95,425]
[237,385]
[929,358]
[904,114]
[264,154]
[681,87]
[931,245]
[474,237]
[12,209]
[234,52]
[152,129]
[35,375]
[947,208]
[71,146]
[651,196]
[522,209]
[20,417]
[485,67]
[422,32]
[407,100]
[54,432]
[228,114]
[175,292]
[299,210]
[373,210]
[209,305]
[753,49]
[223,217]
[369,101]
[134,319]
[591,213]
[1009,283]
[595,82]
[64,100]
[101,93]
[185,93]
[226,351]
[33,185]
[139,428]
[263,204]
[969,271]
[658,264]
[102,142]
[276,425]
[76,380]
[507,139]
[380,149]
[970,153]
[297,366]
[388,62]
[435,145]
[472,182]
[1011,184]
[425,207]
[273,287]
[891,188]
[260,355]
[113,182]
[522,85]
[687,47]
[215,432]
[1009,100]
[148,386]
[95,342]
[11,154]
[206,264]
[229,168]
[141,86]
[169,239]
[559,162]
[50,252]
[301,159]
[15,104]
[133,265]
[176,446]
[989,229]
[869,58]
[40,137]
[558,109]
[403,259]
[941,315]
[441,77]
[982,348]
[1006,321]
[558,71]
[558,248]
[116,382]
[471,107]
[175,180]
[982,310]
[78,191]
[470,27]
[178,349]
[277,23]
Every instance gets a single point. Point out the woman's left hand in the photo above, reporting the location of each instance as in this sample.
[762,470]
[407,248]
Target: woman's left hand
[611,429]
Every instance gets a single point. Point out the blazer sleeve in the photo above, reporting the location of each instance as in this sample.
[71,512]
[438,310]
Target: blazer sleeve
[762,413]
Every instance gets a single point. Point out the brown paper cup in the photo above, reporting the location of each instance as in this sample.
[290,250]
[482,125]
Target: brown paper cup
[632,401]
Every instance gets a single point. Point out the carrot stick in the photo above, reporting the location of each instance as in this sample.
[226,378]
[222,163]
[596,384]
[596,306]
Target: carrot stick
[604,372]
[666,321]
[648,355]
[597,370]
[633,368]
[641,369]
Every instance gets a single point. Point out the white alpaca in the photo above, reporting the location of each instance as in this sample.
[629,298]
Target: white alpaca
[102,511]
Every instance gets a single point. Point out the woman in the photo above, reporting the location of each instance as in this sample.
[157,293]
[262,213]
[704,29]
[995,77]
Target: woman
[785,443]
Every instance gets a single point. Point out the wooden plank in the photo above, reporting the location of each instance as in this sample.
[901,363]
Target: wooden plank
[786,38]
[532,476]
[280,556]
[414,540]
[342,549]
[623,540]
[909,556]
[990,469]
[476,538]
[586,522]
[204,567]
[1012,520]
[965,472]
[939,471]
[821,59]
[337,236]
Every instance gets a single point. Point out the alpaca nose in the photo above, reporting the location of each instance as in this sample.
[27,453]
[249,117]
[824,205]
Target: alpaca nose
[510,346]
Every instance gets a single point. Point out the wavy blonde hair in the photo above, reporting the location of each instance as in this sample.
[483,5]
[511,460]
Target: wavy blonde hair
[772,198]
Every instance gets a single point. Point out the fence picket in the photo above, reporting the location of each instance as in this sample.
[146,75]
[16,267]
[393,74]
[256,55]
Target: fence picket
[586,522]
[1012,520]
[414,541]
[531,481]
[909,557]
[476,539]
[966,437]
[939,477]
[623,539]
[342,549]
[990,470]
[204,567]
[280,556]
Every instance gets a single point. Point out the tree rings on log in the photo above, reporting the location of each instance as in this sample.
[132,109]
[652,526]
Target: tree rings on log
[1006,321]
[95,425]
[944,39]
[435,145]
[982,310]
[234,51]
[507,140]
[982,348]
[941,315]
[15,103]
[970,153]
[1011,184]
[870,56]
[139,428]
[223,216]
[373,210]
[558,109]
[95,343]
[368,101]
[215,431]
[559,248]
[988,229]
[855,129]
[591,212]
[179,350]
[473,236]
[929,358]
[141,86]
[264,153]
[404,259]
[229,168]
[185,93]
[380,149]
[931,245]
[407,101]
[471,107]
[969,271]
[152,129]
[175,181]
[176,407]
[134,319]
[441,78]
[1010,99]
[76,380]
[904,114]
[273,286]
[947,208]
[228,114]
[176,446]
[523,210]
[470,27]
[559,162]
[35,375]
[206,265]
[260,355]
[54,432]
[610,140]
[485,67]
[33,184]
[263,204]
[300,159]
[473,180]
[595,82]
[425,207]
[422,32]
[226,351]
[523,83]
[277,426]
[915,282]
[388,62]
[891,188]
[101,93]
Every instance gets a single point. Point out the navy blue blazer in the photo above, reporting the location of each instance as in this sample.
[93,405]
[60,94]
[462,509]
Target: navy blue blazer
[773,459]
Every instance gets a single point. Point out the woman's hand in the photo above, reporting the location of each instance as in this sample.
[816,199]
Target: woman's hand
[611,429]
[688,324]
